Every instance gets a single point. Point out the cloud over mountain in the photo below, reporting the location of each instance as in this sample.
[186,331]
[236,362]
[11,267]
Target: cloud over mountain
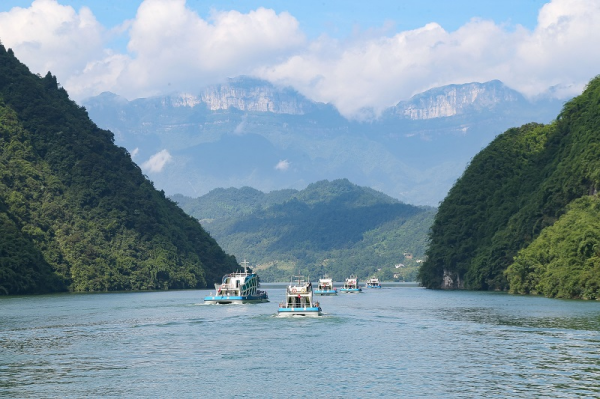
[171,48]
[157,162]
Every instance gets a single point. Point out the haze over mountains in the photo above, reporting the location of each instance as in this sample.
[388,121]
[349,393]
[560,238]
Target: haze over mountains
[335,228]
[247,132]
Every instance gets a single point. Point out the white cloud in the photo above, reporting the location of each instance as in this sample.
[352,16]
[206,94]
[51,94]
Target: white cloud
[50,37]
[157,162]
[241,127]
[134,152]
[171,48]
[379,72]
[282,165]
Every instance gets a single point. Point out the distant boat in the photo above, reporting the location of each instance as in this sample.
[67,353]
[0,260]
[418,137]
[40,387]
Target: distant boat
[373,282]
[239,287]
[325,287]
[351,286]
[299,299]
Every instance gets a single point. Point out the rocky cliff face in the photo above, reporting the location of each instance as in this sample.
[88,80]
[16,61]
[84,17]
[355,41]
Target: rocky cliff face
[246,94]
[414,152]
[254,95]
[457,99]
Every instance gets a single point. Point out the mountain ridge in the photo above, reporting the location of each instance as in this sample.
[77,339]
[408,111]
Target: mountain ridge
[330,227]
[450,100]
[414,160]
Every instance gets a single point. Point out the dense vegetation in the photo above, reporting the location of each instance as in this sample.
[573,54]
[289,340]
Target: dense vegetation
[564,261]
[334,228]
[75,212]
[507,200]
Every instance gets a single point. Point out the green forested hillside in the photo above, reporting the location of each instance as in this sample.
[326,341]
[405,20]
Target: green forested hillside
[512,191]
[226,202]
[564,261]
[75,212]
[334,228]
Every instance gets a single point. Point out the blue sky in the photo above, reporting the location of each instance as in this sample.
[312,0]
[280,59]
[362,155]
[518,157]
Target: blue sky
[338,18]
[356,55]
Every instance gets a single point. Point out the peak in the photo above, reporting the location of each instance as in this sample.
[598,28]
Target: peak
[107,97]
[248,81]
[456,99]
[496,84]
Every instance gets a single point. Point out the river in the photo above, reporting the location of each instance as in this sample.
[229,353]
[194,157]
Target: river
[400,341]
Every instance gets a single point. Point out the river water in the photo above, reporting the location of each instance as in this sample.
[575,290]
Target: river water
[393,342]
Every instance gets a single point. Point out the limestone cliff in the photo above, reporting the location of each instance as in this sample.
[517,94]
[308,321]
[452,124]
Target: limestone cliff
[246,94]
[457,99]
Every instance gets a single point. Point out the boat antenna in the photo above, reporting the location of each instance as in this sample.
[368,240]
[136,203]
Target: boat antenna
[245,263]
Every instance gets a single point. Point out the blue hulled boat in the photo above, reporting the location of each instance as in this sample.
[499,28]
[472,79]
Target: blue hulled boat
[239,287]
[299,300]
[351,286]
[325,287]
[373,282]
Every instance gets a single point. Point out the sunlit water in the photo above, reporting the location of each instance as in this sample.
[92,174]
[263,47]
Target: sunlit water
[392,342]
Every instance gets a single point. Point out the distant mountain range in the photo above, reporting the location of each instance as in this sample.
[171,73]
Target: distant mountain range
[248,132]
[335,228]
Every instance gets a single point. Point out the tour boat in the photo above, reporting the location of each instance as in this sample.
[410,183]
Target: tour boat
[325,287]
[351,286]
[238,287]
[373,282]
[299,299]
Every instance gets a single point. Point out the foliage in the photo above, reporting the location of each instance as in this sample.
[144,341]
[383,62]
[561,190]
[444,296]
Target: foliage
[75,212]
[511,191]
[225,202]
[334,228]
[564,261]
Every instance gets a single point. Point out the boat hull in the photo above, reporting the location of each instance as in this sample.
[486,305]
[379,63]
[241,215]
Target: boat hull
[351,290]
[325,292]
[224,300]
[373,286]
[303,312]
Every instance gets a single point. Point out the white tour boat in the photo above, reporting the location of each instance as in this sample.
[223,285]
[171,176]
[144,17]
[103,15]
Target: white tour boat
[238,287]
[373,282]
[299,299]
[351,286]
[325,287]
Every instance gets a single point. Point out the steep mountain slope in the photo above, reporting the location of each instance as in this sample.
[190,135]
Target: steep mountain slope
[75,212]
[334,228]
[247,132]
[514,190]
[462,99]
[230,202]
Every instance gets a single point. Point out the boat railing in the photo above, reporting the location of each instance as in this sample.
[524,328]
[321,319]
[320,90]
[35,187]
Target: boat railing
[226,292]
[295,290]
[298,306]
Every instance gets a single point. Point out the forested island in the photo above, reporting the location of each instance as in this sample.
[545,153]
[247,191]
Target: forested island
[333,228]
[525,215]
[76,213]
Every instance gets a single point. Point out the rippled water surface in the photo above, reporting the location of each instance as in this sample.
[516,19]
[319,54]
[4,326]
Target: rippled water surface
[392,342]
